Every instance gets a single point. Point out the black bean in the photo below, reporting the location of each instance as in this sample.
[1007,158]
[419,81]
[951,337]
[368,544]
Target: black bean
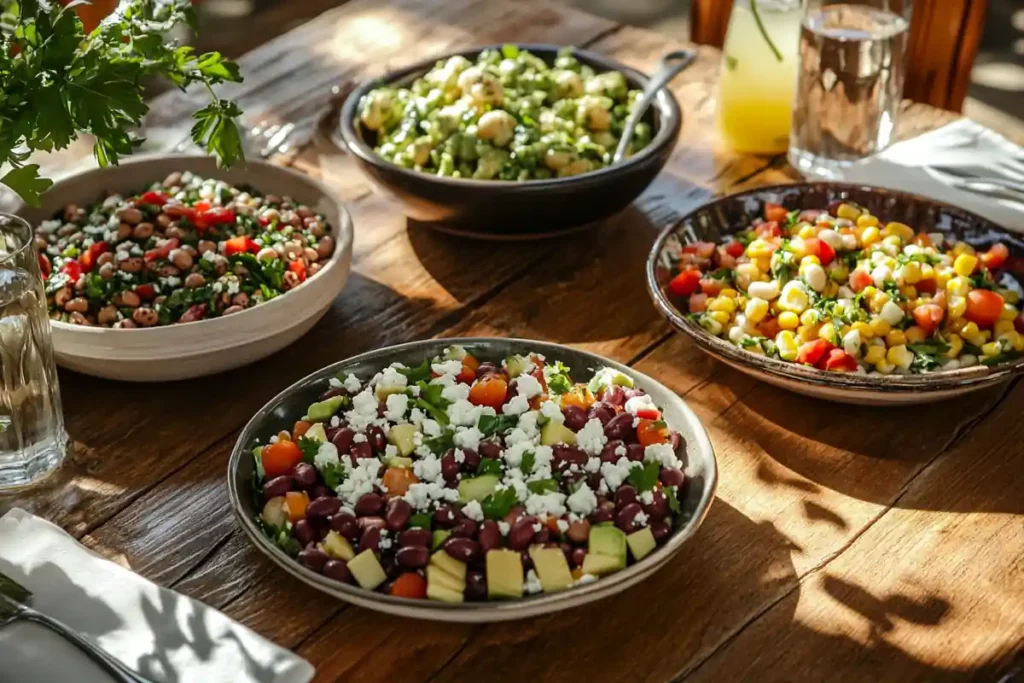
[476,586]
[577,557]
[564,456]
[489,536]
[624,517]
[342,440]
[464,528]
[661,530]
[635,452]
[370,539]
[320,491]
[670,476]
[361,450]
[490,449]
[450,468]
[521,533]
[602,413]
[377,438]
[625,495]
[471,461]
[445,516]
[543,536]
[608,453]
[331,393]
[658,507]
[604,513]
[304,532]
[337,570]
[346,525]
[278,486]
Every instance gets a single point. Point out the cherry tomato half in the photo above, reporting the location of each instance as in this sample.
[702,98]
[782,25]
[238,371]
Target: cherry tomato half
[409,585]
[983,307]
[489,392]
[280,457]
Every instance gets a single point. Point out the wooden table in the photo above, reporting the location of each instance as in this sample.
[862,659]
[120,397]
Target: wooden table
[887,545]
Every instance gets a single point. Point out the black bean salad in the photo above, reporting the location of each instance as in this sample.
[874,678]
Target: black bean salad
[185,249]
[461,480]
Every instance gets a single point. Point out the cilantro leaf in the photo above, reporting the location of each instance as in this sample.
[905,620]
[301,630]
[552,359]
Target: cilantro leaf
[528,462]
[931,347]
[333,475]
[498,504]
[644,478]
[542,486]
[792,217]
[490,425]
[420,373]
[489,466]
[557,377]
[1001,357]
[309,448]
[281,537]
[439,444]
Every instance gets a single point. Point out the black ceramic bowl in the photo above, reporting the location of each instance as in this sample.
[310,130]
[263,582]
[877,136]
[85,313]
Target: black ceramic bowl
[509,209]
[723,217]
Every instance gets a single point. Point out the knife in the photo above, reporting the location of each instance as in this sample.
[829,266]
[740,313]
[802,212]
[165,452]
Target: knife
[14,599]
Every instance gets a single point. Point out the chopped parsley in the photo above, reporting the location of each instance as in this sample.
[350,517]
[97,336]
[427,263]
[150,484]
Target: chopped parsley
[557,377]
[420,373]
[309,448]
[489,425]
[528,462]
[542,486]
[488,466]
[644,478]
[333,475]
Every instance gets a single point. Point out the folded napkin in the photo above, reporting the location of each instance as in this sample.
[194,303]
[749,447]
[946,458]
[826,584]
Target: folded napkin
[962,144]
[159,633]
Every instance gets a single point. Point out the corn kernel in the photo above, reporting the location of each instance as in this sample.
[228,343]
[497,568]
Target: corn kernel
[942,276]
[1008,312]
[914,334]
[807,232]
[866,220]
[763,263]
[838,272]
[870,236]
[965,264]
[991,349]
[788,320]
[909,291]
[957,325]
[874,354]
[962,248]
[912,273]
[927,272]
[1014,339]
[722,303]
[827,332]
[831,289]
[957,307]
[958,285]
[759,248]
[809,317]
[895,338]
[756,310]
[986,335]
[808,260]
[729,292]
[786,344]
[1002,327]
[807,333]
[956,345]
[969,330]
[901,230]
[892,241]
[848,211]
[869,291]
[878,301]
[721,317]
[884,368]
[864,329]
[794,297]
[900,356]
[879,328]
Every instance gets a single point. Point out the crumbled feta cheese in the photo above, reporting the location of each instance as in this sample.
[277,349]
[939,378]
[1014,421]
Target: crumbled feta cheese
[360,480]
[209,256]
[417,416]
[413,391]
[585,579]
[591,438]
[463,413]
[233,286]
[552,412]
[334,383]
[503,527]
[528,386]
[397,405]
[335,421]
[583,502]
[364,410]
[614,473]
[352,384]
[392,378]
[662,454]
[639,403]
[473,510]
[455,392]
[428,468]
[513,454]
[468,438]
[517,406]
[172,281]
[532,584]
[551,504]
[327,454]
[421,494]
[448,367]
[390,451]
[359,438]
[640,519]
[593,464]
[431,427]
[460,456]
[562,525]
[384,543]
[647,497]
[621,450]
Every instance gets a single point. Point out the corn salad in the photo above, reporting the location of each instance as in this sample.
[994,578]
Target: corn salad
[842,291]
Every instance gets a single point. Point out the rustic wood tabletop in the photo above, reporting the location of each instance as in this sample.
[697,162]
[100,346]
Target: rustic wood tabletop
[845,544]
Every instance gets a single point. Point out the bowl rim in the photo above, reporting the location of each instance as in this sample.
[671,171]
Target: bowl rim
[479,611]
[343,245]
[935,381]
[665,101]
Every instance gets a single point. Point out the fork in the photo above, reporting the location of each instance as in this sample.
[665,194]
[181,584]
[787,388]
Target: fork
[12,611]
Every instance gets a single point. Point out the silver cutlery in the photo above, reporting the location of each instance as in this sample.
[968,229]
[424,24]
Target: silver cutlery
[671,64]
[13,607]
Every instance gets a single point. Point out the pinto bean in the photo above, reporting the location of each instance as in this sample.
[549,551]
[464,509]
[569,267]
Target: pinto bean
[146,317]
[127,298]
[266,254]
[143,231]
[194,280]
[107,315]
[181,259]
[105,258]
[77,305]
[62,296]
[132,264]
[207,245]
[129,214]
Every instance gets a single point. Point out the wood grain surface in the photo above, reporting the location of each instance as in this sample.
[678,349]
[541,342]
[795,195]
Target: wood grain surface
[845,544]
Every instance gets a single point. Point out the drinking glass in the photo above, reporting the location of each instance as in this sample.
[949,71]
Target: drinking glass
[852,66]
[32,438]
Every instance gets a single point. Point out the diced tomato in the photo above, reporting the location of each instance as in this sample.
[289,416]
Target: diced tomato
[698,303]
[815,247]
[928,317]
[686,283]
[146,292]
[648,413]
[211,217]
[928,286]
[155,198]
[775,212]
[860,279]
[296,502]
[301,427]
[840,361]
[280,457]
[734,249]
[711,286]
[237,245]
[409,585]
[297,267]
[72,269]
[162,252]
[397,481]
[201,206]
[983,307]
[995,256]
[175,210]
[44,265]
[810,353]
[88,259]
[466,375]
[702,249]
[489,392]
[768,230]
[651,431]
[769,327]
[470,361]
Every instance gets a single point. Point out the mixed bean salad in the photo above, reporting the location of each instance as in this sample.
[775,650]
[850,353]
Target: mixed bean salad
[464,480]
[185,249]
[839,290]
[509,116]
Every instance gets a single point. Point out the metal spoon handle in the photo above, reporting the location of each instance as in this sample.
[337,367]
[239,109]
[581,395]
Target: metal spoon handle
[668,68]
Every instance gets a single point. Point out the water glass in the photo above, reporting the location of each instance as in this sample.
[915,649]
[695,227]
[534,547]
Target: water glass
[32,438]
[852,65]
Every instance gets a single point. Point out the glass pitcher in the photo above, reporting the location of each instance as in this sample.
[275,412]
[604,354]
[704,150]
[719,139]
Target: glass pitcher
[758,78]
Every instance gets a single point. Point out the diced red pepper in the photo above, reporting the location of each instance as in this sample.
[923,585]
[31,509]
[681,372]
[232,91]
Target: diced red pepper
[181,211]
[711,286]
[734,249]
[146,292]
[211,217]
[810,353]
[648,413]
[88,259]
[702,249]
[928,316]
[995,256]
[155,198]
[698,303]
[840,361]
[929,286]
[686,283]
[860,279]
[823,250]
[768,230]
[769,327]
[162,252]
[775,212]
[72,269]
[202,205]
[299,268]
[466,375]
[243,243]
[44,265]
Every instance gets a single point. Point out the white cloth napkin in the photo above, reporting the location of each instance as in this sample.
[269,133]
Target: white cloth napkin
[159,633]
[962,144]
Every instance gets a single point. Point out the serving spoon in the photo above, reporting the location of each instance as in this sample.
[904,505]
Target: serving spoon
[668,68]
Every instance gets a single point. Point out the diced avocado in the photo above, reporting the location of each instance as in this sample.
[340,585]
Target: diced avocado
[367,570]
[641,543]
[554,433]
[439,577]
[440,536]
[609,377]
[447,563]
[599,565]
[477,488]
[401,436]
[515,365]
[397,461]
[317,432]
[454,352]
[608,541]
[257,454]
[504,574]
[322,410]
[552,569]
[336,545]
[275,512]
[384,392]
[436,591]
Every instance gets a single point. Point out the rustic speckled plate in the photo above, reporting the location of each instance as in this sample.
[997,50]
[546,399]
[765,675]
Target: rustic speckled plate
[722,217]
[280,412]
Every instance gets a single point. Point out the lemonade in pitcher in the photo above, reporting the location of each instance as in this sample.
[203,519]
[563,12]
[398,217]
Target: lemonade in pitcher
[758,79]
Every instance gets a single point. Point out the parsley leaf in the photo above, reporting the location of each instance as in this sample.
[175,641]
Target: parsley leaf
[931,347]
[557,377]
[644,478]
[528,462]
[440,444]
[489,425]
[309,448]
[1001,357]
[333,475]
[489,466]
[420,373]
[281,537]
[498,504]
[26,182]
[542,486]
[792,217]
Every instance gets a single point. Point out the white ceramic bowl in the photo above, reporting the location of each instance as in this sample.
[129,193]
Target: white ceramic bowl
[279,413]
[205,347]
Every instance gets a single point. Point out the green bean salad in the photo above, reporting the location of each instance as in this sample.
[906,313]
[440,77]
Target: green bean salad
[509,116]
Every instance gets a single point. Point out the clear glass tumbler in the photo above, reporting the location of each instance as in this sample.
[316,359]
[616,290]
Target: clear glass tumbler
[852,66]
[32,438]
